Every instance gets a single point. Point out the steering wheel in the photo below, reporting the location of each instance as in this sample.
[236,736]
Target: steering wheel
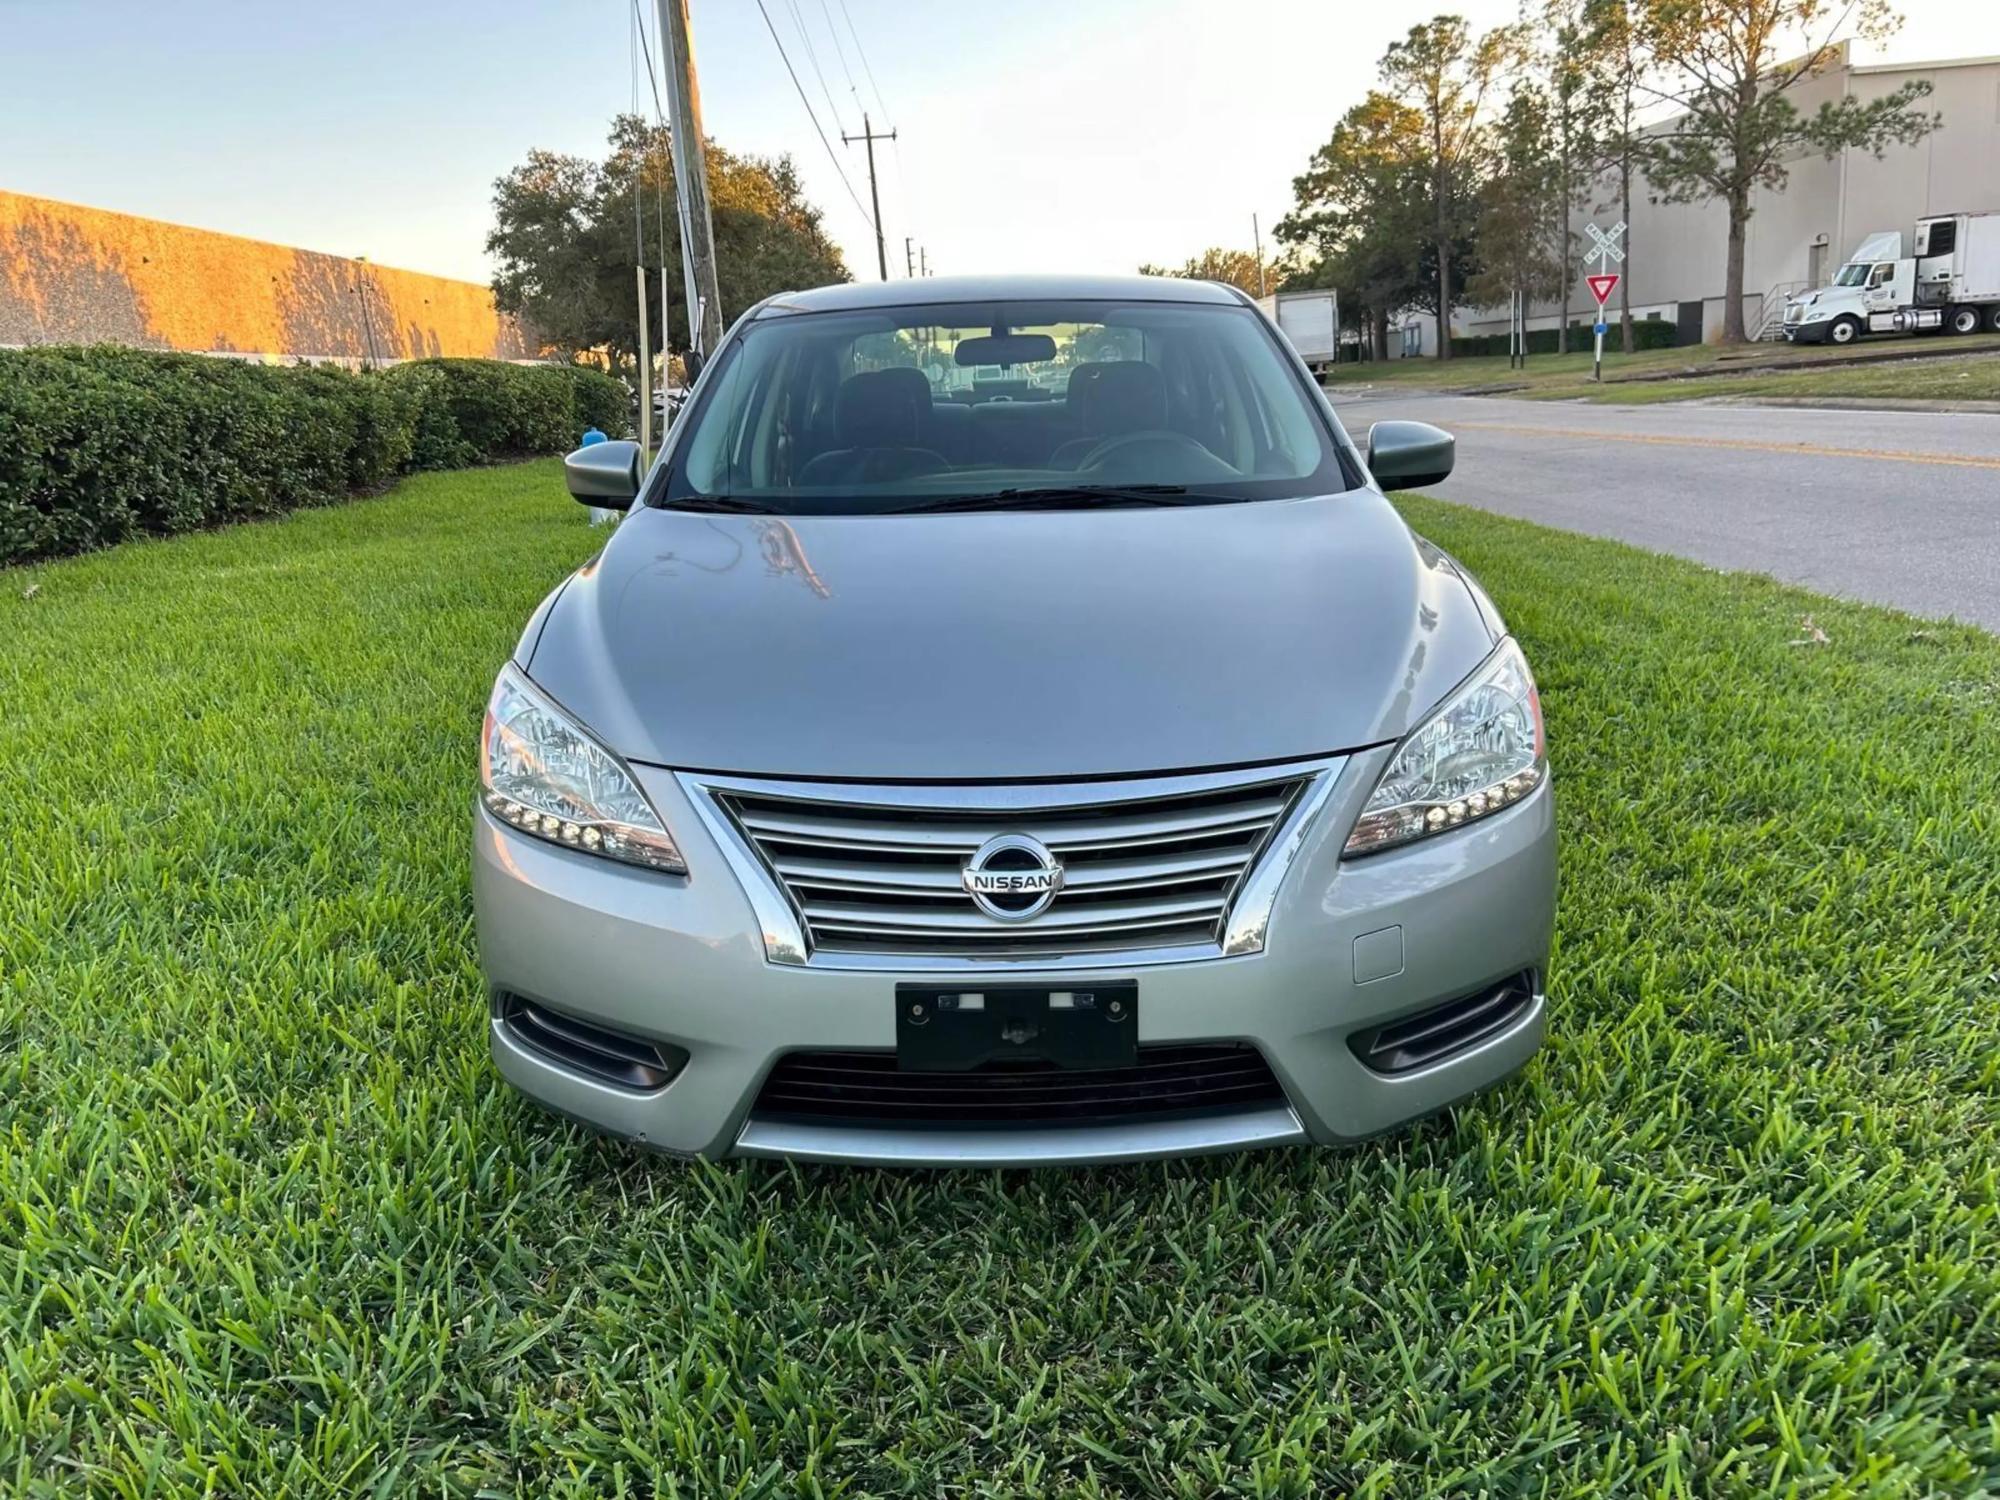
[1159,439]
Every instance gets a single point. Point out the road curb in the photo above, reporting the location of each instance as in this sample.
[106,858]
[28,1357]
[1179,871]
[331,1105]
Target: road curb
[1943,406]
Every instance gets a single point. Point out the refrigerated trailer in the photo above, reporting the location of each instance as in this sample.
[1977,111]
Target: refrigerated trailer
[1311,320]
[1951,281]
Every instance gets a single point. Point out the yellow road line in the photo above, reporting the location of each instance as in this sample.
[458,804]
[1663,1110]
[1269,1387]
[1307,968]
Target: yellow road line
[1806,450]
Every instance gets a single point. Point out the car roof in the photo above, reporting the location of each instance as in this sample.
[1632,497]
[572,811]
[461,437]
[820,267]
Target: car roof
[856,295]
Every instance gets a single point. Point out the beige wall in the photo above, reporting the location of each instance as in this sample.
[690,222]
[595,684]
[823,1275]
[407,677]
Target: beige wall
[73,275]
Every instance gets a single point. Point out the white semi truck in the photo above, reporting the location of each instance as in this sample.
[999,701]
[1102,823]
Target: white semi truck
[1311,320]
[1952,281]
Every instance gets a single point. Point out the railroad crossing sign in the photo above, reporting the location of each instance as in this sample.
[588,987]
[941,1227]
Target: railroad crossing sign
[1604,250]
[1604,243]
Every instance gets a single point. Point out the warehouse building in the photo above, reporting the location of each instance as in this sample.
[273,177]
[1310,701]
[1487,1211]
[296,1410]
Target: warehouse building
[1797,237]
[73,275]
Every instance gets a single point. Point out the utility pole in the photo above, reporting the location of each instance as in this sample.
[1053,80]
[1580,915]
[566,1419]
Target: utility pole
[923,261]
[691,180]
[909,258]
[874,196]
[1258,235]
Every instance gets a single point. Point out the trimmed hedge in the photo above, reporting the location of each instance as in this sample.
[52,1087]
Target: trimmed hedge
[1647,333]
[102,444]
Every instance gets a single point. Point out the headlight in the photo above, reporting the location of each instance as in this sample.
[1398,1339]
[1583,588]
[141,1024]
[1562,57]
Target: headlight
[542,773]
[1482,750]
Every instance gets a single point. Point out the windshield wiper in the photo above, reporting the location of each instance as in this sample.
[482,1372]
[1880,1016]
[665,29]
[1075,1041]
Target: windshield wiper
[1068,494]
[724,504]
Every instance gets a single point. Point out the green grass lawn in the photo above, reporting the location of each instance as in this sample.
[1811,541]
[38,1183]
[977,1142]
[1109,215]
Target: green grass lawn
[1886,368]
[272,1224]
[1465,371]
[1973,378]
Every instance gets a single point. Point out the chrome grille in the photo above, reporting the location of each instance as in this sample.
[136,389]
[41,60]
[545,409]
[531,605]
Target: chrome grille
[876,871]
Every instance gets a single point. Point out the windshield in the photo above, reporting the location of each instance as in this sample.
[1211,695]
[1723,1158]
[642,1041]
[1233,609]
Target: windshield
[851,413]
[1852,275]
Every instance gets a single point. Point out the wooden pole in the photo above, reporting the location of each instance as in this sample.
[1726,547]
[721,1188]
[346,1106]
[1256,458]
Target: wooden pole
[691,179]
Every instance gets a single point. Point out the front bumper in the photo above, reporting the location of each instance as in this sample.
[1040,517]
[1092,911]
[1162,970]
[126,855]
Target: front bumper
[681,962]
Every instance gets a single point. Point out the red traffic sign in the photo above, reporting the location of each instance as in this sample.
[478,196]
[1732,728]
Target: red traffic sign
[1601,286]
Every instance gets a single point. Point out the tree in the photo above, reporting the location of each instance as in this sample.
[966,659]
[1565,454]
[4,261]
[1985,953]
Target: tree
[1567,80]
[567,233]
[1524,236]
[1738,127]
[1237,268]
[1444,74]
[1359,213]
[545,232]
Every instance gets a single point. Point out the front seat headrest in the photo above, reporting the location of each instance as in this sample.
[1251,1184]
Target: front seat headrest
[881,408]
[1126,395]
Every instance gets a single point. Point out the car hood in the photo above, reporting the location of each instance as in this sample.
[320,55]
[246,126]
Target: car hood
[1009,645]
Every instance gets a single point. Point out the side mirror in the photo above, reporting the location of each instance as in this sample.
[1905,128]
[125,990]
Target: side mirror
[1409,455]
[691,363]
[604,474]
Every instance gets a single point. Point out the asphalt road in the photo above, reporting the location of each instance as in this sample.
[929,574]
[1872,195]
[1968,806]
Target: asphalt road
[1897,508]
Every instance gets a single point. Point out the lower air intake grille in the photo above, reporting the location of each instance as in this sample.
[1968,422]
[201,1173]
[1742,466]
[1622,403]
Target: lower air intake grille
[1432,1035]
[609,1056]
[1167,1083]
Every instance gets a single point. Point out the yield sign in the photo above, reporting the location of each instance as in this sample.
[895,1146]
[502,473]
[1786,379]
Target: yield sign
[1601,286]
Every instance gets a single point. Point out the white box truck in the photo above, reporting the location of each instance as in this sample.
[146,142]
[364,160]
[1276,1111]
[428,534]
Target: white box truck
[1311,320]
[1952,281]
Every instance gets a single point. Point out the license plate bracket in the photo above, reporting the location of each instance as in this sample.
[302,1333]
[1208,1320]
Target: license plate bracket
[955,1028]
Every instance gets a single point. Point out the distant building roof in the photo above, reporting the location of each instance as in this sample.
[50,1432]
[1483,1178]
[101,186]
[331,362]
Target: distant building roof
[75,275]
[1929,66]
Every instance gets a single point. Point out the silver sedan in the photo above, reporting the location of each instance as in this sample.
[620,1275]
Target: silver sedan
[1011,726]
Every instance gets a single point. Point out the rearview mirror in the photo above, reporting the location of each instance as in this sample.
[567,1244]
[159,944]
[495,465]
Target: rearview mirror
[604,474]
[1409,455]
[1005,349]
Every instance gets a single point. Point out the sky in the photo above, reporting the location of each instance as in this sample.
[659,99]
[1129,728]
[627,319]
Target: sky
[1032,135]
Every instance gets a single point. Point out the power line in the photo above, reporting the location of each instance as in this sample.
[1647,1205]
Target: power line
[639,173]
[793,73]
[862,52]
[812,56]
[660,201]
[642,353]
[840,51]
[638,182]
[652,77]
